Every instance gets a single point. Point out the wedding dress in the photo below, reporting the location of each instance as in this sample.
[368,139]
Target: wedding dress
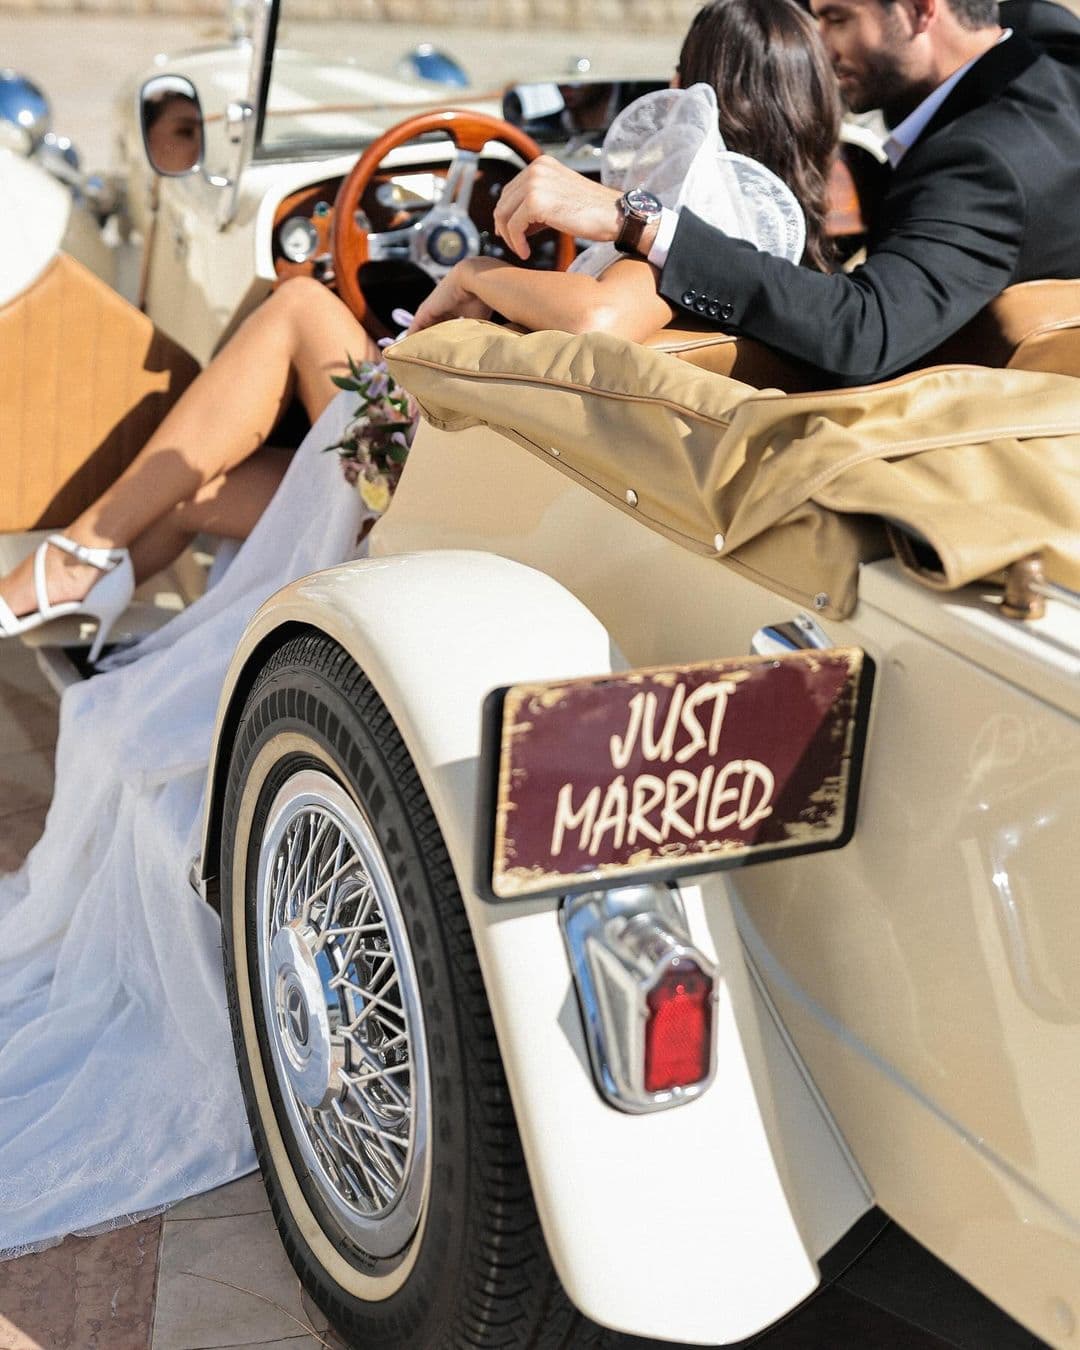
[118,1088]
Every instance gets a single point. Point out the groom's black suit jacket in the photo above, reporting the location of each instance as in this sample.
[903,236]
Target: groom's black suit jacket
[989,195]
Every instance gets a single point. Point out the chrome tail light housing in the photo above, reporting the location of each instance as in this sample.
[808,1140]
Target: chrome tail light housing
[647,996]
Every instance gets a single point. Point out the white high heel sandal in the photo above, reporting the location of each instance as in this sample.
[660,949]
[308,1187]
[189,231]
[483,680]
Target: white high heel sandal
[105,601]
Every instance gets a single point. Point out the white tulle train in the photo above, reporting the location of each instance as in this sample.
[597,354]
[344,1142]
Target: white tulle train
[118,1086]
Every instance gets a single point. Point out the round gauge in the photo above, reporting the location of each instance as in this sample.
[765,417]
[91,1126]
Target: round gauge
[298,239]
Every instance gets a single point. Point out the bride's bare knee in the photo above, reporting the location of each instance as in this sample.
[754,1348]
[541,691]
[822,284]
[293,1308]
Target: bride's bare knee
[302,291]
[287,310]
[307,315]
[301,298]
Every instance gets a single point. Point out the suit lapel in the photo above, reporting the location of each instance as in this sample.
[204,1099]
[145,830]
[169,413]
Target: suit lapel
[985,80]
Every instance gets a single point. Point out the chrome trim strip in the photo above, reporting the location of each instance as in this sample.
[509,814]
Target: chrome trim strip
[799,634]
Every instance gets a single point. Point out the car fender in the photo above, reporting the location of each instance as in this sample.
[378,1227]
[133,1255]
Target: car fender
[32,224]
[687,1223]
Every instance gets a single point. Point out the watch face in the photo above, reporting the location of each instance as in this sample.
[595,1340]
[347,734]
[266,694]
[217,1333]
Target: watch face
[642,203]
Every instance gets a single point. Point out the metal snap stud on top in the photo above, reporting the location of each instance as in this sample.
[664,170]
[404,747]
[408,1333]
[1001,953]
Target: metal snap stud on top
[821,600]
[631,497]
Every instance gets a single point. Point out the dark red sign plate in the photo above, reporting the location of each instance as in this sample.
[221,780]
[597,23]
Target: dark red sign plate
[599,782]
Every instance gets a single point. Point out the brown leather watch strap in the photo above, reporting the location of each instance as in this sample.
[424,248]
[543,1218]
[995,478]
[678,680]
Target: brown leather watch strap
[634,223]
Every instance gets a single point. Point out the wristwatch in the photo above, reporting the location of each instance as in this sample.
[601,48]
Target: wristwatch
[639,208]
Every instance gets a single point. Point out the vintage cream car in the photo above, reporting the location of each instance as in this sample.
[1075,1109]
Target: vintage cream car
[655,855]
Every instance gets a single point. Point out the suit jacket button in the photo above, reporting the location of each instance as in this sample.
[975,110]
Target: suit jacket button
[713,309]
[700,305]
[688,298]
[727,310]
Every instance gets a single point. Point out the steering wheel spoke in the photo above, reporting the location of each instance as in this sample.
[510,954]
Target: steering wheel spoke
[391,245]
[443,235]
[460,181]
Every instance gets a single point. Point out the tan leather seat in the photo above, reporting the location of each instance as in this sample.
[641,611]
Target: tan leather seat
[1032,326]
[740,358]
[84,380]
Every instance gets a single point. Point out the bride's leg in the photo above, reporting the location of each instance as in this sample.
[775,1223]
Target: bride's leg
[290,345]
[229,505]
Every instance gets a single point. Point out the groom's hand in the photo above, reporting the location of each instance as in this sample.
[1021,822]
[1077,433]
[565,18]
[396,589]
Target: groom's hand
[548,195]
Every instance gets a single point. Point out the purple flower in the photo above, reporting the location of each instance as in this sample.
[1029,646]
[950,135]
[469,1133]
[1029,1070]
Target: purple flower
[377,439]
[377,386]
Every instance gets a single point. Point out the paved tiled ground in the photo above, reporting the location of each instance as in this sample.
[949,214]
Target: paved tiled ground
[209,1273]
[85,1294]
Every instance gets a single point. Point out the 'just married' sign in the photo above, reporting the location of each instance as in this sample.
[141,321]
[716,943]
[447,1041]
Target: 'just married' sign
[603,781]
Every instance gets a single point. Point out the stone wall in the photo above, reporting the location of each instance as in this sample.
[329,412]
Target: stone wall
[548,15]
[624,16]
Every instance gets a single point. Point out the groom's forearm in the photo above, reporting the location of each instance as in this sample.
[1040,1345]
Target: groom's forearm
[948,243]
[830,321]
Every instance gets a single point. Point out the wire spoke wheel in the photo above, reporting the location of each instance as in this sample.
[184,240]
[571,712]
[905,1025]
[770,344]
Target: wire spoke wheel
[342,1010]
[369,1064]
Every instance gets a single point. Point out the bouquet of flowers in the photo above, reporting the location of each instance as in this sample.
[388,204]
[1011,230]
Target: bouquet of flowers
[376,442]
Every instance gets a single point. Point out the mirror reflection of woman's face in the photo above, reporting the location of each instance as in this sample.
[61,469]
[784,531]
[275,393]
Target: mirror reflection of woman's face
[174,138]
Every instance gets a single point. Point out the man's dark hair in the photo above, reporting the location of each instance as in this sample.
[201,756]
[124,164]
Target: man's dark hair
[971,14]
[975,13]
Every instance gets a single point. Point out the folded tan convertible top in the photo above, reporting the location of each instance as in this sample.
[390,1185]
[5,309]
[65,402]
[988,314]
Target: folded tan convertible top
[795,489]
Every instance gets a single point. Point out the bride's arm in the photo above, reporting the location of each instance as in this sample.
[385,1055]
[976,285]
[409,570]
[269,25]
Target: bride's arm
[623,300]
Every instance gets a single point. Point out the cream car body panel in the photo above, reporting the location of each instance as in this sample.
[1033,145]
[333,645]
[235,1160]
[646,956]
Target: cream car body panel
[771,1186]
[925,972]
[33,222]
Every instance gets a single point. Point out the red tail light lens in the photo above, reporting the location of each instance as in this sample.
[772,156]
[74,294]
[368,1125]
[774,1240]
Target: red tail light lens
[678,1034]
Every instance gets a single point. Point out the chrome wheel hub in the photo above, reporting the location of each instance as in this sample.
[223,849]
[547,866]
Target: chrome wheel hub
[312,1056]
[342,1012]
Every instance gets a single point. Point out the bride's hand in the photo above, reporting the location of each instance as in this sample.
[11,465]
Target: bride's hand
[451,299]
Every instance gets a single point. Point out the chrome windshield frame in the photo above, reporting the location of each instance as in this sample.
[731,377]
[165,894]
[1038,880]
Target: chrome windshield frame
[263,41]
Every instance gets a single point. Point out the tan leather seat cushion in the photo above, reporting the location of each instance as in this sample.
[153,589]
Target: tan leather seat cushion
[793,489]
[739,358]
[84,380]
[1032,326]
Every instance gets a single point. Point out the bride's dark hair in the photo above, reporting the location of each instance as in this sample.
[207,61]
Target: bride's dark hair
[777,96]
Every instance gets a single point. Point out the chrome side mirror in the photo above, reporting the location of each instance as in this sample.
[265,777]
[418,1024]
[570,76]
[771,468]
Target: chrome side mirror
[171,119]
[24,105]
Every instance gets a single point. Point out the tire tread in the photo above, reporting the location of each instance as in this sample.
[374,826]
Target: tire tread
[511,1298]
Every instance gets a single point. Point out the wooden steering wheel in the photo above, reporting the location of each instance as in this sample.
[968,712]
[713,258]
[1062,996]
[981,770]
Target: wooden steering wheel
[444,235]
